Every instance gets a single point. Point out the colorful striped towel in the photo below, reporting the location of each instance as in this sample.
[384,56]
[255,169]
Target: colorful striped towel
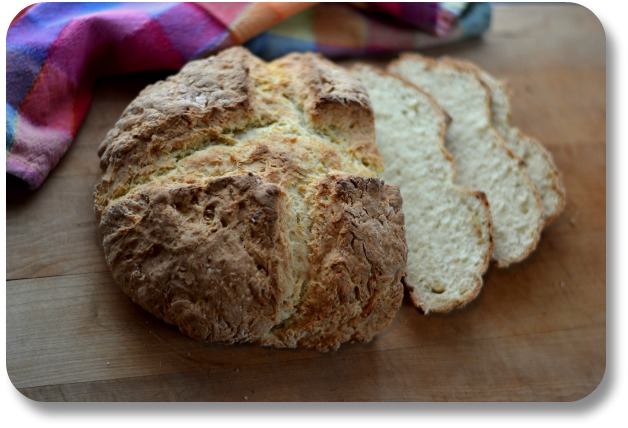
[56,51]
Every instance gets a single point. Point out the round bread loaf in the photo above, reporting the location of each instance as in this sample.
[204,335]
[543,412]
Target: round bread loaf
[240,201]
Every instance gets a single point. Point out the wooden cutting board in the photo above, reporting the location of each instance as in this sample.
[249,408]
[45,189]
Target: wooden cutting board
[536,333]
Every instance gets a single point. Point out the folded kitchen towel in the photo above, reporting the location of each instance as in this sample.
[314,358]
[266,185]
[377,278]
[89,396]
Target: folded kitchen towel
[56,51]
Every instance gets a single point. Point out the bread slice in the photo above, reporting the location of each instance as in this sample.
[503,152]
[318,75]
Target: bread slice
[448,228]
[482,160]
[539,163]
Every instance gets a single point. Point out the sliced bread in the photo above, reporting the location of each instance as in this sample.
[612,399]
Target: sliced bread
[482,160]
[538,160]
[448,228]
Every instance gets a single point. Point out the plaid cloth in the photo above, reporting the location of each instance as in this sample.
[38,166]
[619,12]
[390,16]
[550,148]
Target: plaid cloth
[56,51]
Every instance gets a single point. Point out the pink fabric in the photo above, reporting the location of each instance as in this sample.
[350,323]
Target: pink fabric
[56,51]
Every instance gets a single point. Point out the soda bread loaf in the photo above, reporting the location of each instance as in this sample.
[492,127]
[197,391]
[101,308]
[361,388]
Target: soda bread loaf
[448,228]
[482,160]
[538,160]
[240,202]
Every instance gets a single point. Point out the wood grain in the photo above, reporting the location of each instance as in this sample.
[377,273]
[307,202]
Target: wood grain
[536,333]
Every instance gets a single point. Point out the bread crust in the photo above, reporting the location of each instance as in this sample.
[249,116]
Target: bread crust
[227,187]
[357,247]
[166,247]
[336,104]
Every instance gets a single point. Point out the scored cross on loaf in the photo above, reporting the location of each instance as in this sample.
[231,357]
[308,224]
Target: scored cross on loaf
[240,201]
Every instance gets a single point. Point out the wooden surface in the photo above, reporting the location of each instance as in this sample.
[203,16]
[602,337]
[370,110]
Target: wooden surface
[536,333]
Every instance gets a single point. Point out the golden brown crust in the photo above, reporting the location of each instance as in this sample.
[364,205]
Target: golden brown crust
[205,99]
[206,258]
[357,262]
[207,202]
[334,103]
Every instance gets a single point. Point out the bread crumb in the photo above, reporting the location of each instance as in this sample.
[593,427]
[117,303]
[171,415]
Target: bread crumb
[245,397]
